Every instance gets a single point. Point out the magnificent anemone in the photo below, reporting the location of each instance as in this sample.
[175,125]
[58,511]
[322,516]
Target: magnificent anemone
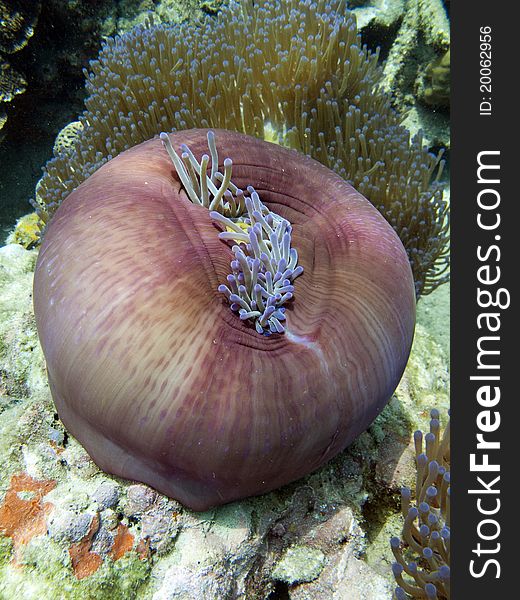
[422,567]
[289,71]
[148,366]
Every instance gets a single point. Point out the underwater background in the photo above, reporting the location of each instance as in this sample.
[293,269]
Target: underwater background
[67,529]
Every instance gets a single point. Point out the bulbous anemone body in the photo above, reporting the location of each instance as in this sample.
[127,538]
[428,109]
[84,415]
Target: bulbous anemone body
[160,381]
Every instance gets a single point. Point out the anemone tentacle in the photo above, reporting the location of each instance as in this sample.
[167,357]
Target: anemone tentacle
[265,265]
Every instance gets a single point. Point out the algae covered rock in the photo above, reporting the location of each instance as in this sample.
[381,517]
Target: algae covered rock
[413,35]
[437,90]
[299,564]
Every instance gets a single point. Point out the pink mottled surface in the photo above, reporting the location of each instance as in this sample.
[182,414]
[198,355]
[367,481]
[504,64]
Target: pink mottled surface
[160,381]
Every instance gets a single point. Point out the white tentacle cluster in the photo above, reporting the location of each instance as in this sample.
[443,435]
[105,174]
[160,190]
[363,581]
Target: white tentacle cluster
[265,264]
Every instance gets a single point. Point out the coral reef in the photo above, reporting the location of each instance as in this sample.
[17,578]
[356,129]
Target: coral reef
[54,67]
[11,84]
[295,72]
[51,63]
[422,567]
[95,536]
[232,551]
[18,19]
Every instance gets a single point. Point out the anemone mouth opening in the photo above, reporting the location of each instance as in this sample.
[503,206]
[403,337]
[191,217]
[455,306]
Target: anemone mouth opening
[265,265]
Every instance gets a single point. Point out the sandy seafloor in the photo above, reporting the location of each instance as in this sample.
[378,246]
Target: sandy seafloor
[71,531]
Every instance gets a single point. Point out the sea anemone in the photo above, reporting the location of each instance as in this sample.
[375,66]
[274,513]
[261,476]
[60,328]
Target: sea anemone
[426,529]
[150,369]
[287,71]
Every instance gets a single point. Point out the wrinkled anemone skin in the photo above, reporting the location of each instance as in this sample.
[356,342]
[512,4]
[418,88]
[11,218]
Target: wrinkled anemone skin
[154,374]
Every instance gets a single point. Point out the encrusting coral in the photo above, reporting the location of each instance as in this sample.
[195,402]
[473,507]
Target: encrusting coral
[26,232]
[18,19]
[67,137]
[291,72]
[426,529]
